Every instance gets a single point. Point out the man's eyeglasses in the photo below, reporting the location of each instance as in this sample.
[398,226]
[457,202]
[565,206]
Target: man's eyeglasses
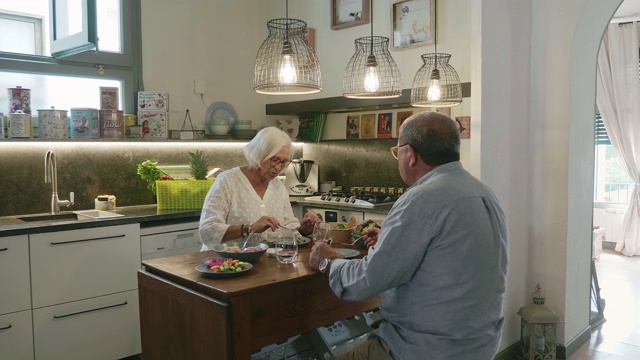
[275,162]
[394,150]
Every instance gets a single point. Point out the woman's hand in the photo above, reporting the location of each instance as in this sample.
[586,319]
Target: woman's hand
[370,236]
[264,223]
[308,222]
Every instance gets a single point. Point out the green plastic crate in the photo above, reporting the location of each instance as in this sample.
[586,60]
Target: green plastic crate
[182,194]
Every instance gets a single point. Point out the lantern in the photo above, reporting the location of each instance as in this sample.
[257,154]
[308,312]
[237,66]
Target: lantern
[538,329]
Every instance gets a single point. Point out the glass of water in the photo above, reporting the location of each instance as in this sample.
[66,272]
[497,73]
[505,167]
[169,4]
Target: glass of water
[322,232]
[286,246]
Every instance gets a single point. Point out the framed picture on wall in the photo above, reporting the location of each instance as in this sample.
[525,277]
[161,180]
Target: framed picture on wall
[348,13]
[464,122]
[385,121]
[353,127]
[400,118]
[412,23]
[368,126]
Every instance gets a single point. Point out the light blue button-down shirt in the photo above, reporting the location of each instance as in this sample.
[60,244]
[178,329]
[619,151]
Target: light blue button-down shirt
[440,267]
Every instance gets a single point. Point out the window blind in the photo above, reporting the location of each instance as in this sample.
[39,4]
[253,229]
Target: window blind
[602,138]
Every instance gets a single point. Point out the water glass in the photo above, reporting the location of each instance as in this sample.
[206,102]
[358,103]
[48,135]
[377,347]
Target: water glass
[322,232]
[286,246]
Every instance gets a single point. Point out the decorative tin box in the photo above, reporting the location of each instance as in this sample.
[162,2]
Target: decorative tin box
[20,125]
[154,123]
[84,123]
[153,100]
[109,98]
[19,99]
[111,124]
[53,124]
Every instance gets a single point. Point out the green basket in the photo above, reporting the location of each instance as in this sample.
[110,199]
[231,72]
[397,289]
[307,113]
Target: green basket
[182,194]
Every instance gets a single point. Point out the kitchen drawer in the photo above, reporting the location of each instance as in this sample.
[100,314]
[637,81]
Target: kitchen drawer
[79,264]
[16,336]
[14,274]
[105,327]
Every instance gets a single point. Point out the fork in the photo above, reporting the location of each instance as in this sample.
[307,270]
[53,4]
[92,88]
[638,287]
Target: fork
[354,241]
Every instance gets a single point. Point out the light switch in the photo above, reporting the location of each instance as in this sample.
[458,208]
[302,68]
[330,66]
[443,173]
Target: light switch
[198,86]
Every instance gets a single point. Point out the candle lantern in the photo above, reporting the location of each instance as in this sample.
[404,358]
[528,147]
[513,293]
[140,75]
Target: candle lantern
[538,329]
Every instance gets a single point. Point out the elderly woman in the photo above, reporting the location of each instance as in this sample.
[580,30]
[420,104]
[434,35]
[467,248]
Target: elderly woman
[251,197]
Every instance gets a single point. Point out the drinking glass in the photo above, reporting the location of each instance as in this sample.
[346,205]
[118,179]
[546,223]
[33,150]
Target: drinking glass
[286,246]
[322,232]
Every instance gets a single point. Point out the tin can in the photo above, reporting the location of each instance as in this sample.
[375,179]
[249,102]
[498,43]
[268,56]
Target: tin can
[111,124]
[135,131]
[20,125]
[400,191]
[84,123]
[53,124]
[391,191]
[19,99]
[129,120]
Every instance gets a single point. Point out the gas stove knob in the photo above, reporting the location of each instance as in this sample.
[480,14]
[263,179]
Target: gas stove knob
[323,196]
[338,198]
[352,199]
[328,197]
[346,199]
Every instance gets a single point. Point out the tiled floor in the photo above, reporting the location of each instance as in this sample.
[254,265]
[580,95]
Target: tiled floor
[619,337]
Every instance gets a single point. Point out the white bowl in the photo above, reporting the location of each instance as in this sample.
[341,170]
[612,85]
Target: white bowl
[219,129]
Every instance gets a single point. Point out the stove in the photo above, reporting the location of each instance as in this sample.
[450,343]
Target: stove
[357,199]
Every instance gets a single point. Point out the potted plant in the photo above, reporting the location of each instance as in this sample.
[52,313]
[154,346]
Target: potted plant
[181,194]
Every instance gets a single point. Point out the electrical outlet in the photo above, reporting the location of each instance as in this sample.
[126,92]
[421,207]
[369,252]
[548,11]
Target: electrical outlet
[198,86]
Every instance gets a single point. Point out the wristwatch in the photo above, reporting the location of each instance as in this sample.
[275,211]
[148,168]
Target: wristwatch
[324,265]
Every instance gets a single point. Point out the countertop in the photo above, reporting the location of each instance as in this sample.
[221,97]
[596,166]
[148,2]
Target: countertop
[376,209]
[146,215]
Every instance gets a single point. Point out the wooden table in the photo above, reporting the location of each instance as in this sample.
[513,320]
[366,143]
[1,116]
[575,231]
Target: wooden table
[185,315]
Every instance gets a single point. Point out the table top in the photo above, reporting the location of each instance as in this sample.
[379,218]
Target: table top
[267,272]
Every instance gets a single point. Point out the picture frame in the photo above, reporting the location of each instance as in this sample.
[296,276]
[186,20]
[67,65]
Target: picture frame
[385,122]
[368,126]
[413,23]
[349,13]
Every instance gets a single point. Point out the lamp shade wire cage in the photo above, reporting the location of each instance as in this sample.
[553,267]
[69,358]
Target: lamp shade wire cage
[436,84]
[286,64]
[371,72]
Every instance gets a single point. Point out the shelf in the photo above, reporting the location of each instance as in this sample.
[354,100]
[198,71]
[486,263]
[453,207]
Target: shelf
[341,104]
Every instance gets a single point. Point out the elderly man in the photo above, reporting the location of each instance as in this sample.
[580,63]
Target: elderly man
[439,263]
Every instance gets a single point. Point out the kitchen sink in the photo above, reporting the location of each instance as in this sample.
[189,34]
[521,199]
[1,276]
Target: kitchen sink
[69,216]
[49,217]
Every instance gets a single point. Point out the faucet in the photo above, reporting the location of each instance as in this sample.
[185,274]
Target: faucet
[51,176]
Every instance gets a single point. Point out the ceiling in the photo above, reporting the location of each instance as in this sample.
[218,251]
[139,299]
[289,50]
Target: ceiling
[628,9]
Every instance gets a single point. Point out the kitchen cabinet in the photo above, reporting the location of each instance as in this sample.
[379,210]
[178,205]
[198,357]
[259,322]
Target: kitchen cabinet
[106,327]
[170,239]
[85,295]
[16,335]
[14,274]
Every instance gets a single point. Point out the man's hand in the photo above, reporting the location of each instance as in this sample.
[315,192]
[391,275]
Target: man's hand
[320,251]
[370,236]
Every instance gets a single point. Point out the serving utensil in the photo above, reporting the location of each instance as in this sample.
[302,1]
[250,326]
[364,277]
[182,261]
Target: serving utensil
[246,239]
[354,241]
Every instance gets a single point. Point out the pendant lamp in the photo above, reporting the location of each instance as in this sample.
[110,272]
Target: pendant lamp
[436,83]
[371,73]
[286,64]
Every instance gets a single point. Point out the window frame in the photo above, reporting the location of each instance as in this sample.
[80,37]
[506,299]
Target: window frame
[125,67]
[37,23]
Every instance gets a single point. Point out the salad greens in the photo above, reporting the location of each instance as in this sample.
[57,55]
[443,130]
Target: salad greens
[366,225]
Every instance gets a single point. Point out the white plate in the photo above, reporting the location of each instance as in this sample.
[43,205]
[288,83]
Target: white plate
[206,272]
[347,253]
[220,110]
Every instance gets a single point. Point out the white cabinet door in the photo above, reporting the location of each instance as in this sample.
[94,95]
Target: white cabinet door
[105,327]
[16,336]
[15,291]
[79,264]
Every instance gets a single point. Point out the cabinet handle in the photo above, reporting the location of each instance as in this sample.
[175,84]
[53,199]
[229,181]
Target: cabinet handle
[86,311]
[4,249]
[6,327]
[83,240]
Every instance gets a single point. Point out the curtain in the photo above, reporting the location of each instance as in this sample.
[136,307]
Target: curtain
[618,99]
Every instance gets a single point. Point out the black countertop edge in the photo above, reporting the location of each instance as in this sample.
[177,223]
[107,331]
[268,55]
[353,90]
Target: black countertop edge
[145,215]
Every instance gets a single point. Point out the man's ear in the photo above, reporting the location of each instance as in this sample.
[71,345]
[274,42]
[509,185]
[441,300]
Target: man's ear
[413,156]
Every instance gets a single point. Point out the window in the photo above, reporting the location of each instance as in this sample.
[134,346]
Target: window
[612,184]
[72,79]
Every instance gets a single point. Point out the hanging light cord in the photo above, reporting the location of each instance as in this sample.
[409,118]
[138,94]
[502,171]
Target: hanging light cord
[286,31]
[435,34]
[371,14]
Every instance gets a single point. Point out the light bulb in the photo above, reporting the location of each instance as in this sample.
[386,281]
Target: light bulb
[287,70]
[371,82]
[434,90]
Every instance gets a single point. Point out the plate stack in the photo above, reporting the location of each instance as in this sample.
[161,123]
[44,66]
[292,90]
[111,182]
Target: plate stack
[242,130]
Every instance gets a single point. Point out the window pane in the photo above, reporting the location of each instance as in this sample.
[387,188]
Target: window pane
[109,26]
[611,180]
[69,17]
[61,92]
[32,40]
